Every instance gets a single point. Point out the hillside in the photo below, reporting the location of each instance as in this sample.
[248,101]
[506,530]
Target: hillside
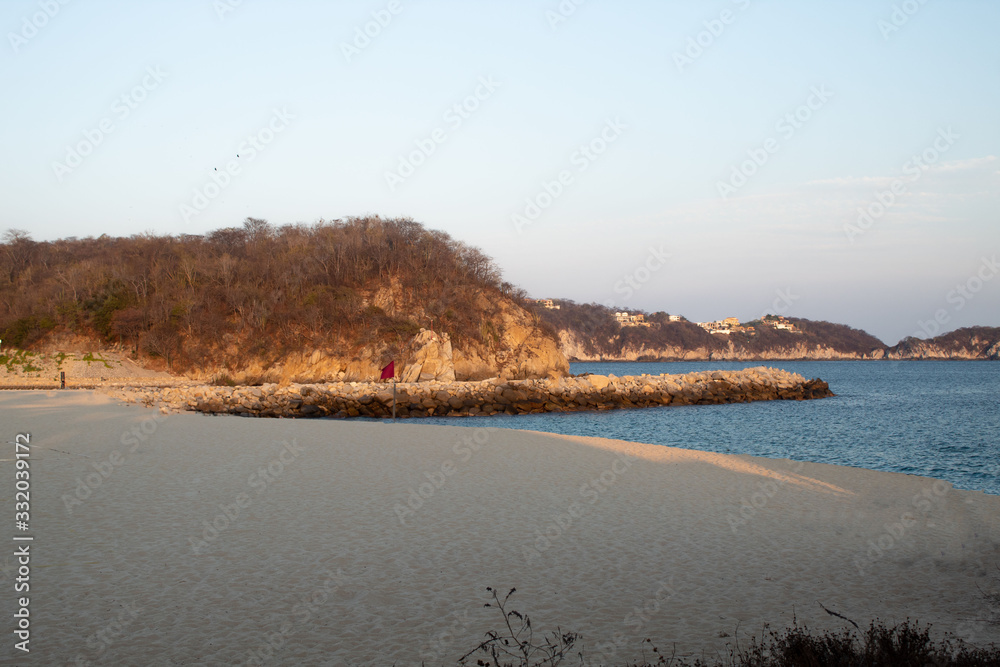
[590,332]
[332,300]
[967,343]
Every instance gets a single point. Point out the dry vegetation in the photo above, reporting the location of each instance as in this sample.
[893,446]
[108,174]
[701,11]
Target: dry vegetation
[250,292]
[906,644]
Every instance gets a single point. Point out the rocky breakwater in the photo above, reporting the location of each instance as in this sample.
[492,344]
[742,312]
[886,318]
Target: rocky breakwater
[485,397]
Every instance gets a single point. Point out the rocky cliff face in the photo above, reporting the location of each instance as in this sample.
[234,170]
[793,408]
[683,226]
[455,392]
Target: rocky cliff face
[514,348]
[521,352]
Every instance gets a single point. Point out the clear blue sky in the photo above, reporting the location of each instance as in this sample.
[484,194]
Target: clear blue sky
[200,76]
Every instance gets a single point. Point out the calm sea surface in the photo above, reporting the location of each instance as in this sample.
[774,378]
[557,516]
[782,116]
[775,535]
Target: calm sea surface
[935,418]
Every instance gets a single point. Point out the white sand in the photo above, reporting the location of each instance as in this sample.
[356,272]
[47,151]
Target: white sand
[114,579]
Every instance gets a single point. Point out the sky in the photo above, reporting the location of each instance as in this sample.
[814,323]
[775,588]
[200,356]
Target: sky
[834,161]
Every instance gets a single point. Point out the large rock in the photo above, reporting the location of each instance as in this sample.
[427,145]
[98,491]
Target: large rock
[599,382]
[470,365]
[429,357]
[513,347]
[529,352]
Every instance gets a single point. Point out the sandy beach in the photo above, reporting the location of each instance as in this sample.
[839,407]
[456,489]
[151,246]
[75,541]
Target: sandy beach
[187,539]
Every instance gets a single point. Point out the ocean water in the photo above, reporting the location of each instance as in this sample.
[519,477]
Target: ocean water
[940,419]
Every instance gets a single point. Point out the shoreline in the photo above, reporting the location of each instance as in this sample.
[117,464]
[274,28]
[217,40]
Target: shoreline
[388,535]
[677,360]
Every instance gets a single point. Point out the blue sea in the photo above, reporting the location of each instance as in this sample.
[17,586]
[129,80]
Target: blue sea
[940,419]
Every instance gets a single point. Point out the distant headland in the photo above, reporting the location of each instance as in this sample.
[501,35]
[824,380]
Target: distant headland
[592,332]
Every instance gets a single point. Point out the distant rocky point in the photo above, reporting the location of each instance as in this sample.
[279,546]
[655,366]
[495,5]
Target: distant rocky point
[967,343]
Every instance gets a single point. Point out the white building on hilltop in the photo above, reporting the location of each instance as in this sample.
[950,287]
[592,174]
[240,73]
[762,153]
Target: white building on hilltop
[544,303]
[721,326]
[626,320]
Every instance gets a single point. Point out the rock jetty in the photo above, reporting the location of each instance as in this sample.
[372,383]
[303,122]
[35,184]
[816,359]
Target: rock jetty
[485,397]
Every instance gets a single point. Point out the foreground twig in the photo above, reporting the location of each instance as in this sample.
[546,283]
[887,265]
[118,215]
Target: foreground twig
[833,613]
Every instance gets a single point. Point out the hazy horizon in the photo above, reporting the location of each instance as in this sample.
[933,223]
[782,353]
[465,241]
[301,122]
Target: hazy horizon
[729,158]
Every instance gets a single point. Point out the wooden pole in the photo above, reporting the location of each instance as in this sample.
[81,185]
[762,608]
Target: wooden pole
[394,399]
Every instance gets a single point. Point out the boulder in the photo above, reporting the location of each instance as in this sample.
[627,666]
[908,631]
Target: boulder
[599,382]
[429,357]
